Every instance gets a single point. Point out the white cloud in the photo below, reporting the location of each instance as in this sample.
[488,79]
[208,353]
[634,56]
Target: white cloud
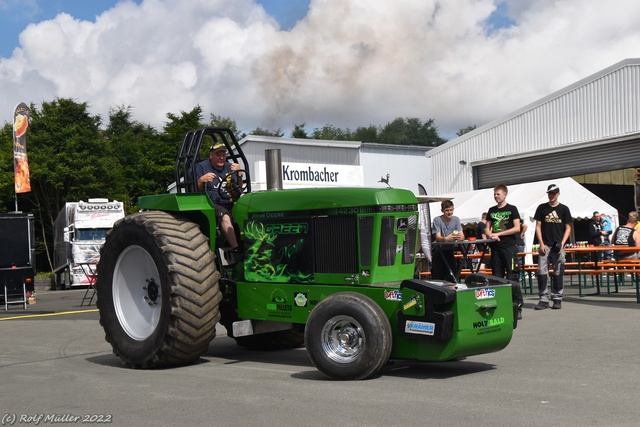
[348,64]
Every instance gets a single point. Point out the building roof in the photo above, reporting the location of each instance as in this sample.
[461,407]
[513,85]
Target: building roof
[542,101]
[301,141]
[331,143]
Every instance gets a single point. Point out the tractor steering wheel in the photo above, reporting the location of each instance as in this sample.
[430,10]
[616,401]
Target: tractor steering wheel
[229,188]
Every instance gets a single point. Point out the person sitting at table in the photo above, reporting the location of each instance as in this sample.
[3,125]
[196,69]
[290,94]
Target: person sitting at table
[481,227]
[447,228]
[628,235]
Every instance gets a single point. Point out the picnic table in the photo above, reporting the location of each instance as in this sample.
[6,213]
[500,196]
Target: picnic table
[463,246]
[588,264]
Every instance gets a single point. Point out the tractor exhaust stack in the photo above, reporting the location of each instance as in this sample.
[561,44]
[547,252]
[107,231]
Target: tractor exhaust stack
[274,169]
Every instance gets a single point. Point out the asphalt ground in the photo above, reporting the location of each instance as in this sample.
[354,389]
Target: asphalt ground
[579,366]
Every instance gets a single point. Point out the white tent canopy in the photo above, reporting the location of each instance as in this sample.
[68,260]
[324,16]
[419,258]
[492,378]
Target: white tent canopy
[470,205]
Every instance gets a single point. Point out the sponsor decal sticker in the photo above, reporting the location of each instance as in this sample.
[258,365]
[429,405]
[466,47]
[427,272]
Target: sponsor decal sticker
[485,293]
[287,228]
[394,295]
[422,328]
[279,301]
[486,323]
[300,299]
[411,303]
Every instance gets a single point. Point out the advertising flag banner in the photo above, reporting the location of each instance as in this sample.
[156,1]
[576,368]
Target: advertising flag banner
[21,116]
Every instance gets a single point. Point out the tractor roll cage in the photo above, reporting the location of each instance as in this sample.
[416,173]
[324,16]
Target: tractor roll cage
[189,155]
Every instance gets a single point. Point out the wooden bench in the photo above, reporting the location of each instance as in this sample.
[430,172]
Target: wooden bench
[572,269]
[467,271]
[635,272]
[463,273]
[425,275]
[618,270]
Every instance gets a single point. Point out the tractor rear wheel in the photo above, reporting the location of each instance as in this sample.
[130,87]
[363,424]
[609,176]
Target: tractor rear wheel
[348,336]
[158,290]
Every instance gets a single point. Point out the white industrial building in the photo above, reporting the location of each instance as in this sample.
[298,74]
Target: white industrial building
[590,126]
[584,130]
[321,163]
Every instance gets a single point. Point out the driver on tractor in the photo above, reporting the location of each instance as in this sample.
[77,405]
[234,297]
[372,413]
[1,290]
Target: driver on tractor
[213,173]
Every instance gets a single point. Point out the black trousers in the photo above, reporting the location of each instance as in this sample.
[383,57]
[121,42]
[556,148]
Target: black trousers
[439,270]
[504,263]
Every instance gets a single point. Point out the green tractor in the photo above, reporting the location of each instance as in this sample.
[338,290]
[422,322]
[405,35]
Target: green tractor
[328,268]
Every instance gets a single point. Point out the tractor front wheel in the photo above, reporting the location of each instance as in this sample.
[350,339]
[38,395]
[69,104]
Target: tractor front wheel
[348,337]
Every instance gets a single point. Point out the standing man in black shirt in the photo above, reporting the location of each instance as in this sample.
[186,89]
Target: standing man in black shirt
[553,228]
[502,226]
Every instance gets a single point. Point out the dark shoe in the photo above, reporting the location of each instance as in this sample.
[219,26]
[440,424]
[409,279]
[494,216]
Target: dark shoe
[519,314]
[541,305]
[557,305]
[234,256]
[236,251]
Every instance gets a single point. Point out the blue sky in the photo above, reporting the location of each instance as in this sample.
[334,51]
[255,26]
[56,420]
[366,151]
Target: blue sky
[15,15]
[276,63]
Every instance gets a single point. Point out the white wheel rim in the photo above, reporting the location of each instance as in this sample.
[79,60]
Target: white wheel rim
[342,339]
[137,295]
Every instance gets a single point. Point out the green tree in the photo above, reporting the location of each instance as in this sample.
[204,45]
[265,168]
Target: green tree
[366,134]
[330,132]
[7,187]
[163,152]
[411,131]
[179,124]
[299,131]
[226,122]
[265,132]
[130,142]
[466,130]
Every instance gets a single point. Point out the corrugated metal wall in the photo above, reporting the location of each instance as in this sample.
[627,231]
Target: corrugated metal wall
[559,164]
[597,108]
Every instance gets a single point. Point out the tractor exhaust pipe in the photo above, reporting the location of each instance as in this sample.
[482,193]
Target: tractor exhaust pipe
[274,169]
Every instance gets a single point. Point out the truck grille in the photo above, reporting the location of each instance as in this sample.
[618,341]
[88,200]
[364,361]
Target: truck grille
[409,244]
[335,242]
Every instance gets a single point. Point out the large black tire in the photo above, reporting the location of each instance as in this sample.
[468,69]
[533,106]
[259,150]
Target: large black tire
[158,290]
[348,336]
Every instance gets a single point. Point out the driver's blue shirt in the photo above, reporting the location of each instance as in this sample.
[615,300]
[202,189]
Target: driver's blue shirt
[211,188]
